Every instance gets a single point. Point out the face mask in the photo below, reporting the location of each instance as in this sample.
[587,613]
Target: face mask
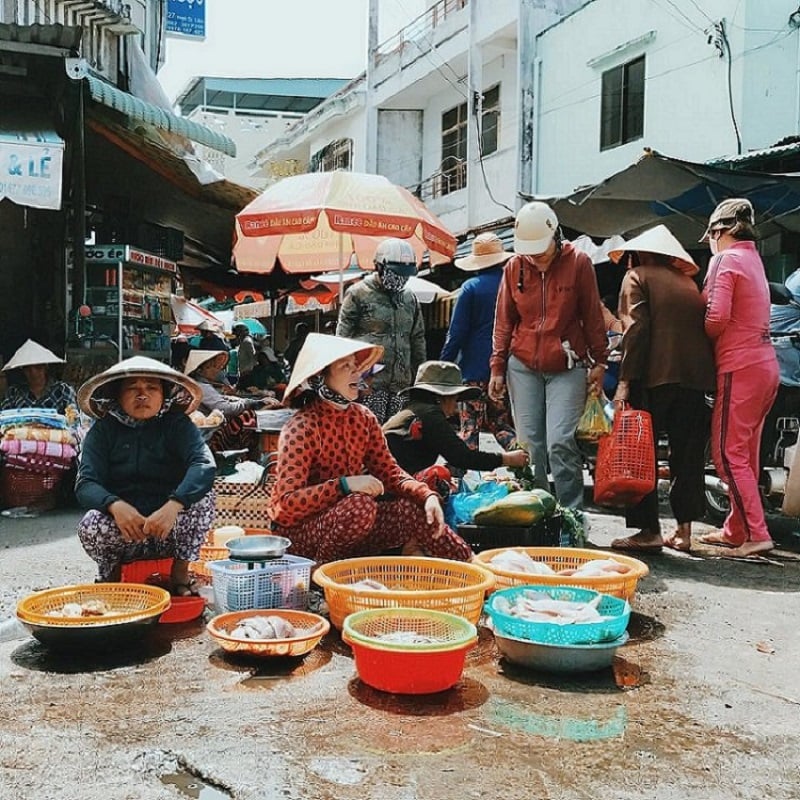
[713,246]
[393,282]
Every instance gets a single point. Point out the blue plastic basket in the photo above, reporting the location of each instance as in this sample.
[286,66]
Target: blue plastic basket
[279,583]
[617,610]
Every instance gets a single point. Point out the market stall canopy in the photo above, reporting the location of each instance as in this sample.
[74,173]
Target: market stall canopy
[317,221]
[680,194]
[189,315]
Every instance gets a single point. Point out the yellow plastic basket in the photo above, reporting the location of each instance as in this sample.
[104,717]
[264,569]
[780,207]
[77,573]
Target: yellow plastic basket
[313,626]
[432,583]
[127,602]
[558,558]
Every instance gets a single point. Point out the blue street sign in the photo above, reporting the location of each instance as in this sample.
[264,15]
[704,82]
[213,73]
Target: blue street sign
[187,17]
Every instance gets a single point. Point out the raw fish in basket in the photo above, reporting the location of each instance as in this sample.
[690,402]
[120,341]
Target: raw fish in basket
[540,607]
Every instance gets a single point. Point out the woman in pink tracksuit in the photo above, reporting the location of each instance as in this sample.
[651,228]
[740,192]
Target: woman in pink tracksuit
[737,320]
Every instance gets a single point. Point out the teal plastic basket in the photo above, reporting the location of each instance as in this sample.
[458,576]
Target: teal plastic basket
[616,610]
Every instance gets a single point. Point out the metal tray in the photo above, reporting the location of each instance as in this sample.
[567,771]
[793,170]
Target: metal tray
[257,548]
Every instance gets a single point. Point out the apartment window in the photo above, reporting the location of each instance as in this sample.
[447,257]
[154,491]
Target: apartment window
[453,173]
[622,108]
[490,121]
[336,155]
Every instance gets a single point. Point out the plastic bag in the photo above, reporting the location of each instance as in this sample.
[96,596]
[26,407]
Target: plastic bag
[593,424]
[462,506]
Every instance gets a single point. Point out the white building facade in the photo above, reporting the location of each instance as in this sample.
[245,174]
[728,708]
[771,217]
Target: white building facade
[476,102]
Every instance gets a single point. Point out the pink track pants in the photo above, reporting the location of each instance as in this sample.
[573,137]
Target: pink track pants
[744,397]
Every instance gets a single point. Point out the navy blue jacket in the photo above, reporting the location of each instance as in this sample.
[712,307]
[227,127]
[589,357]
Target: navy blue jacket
[144,465]
[469,339]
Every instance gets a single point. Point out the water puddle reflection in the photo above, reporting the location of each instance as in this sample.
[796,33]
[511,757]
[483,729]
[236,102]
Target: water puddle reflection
[642,628]
[466,694]
[193,786]
[265,672]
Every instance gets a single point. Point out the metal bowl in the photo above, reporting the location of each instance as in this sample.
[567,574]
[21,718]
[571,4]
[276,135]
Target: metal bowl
[559,658]
[257,548]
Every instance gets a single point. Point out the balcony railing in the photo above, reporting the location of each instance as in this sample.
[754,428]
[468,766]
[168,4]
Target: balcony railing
[447,180]
[419,29]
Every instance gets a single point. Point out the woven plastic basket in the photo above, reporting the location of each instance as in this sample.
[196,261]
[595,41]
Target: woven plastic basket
[127,602]
[242,504]
[311,626]
[433,583]
[279,583]
[616,610]
[20,487]
[558,558]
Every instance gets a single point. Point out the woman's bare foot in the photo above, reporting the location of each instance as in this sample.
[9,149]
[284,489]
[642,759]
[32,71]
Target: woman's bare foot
[752,549]
[681,538]
[717,538]
[644,540]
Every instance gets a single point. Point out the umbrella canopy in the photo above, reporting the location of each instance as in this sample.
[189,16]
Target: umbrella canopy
[189,315]
[424,291]
[316,222]
[680,194]
[253,326]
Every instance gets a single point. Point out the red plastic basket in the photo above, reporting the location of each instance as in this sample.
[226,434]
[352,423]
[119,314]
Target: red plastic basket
[626,461]
[181,609]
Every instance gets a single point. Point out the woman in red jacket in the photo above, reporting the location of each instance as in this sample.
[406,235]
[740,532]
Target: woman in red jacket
[549,340]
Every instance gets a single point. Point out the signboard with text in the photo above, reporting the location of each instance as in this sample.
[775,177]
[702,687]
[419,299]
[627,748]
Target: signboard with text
[30,169]
[187,18]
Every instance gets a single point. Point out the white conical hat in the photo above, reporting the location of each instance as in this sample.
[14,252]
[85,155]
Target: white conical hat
[320,350]
[32,353]
[658,240]
[197,358]
[137,367]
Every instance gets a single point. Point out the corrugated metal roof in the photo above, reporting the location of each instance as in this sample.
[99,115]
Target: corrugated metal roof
[135,108]
[770,153]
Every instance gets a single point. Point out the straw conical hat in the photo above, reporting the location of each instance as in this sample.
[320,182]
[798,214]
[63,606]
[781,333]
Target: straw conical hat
[137,367]
[197,358]
[658,240]
[320,350]
[487,251]
[32,353]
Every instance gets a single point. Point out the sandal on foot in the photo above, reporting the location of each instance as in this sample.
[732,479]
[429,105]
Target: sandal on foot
[678,542]
[715,539]
[185,589]
[634,544]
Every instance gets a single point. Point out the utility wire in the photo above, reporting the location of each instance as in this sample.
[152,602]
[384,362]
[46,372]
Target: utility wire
[730,86]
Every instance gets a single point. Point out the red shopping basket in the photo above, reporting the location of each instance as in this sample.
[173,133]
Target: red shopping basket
[626,460]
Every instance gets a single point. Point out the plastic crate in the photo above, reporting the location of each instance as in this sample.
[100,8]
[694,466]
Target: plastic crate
[548,532]
[279,583]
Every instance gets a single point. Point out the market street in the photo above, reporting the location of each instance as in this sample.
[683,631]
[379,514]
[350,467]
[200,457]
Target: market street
[713,650]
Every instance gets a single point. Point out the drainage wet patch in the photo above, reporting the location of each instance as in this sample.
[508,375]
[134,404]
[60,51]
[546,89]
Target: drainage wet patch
[191,785]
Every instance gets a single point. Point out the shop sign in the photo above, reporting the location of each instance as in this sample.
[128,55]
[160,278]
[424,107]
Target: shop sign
[187,18]
[30,169]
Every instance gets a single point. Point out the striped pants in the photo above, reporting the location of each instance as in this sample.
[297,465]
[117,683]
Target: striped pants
[744,397]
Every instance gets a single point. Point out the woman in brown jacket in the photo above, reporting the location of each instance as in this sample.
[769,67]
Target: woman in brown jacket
[667,367]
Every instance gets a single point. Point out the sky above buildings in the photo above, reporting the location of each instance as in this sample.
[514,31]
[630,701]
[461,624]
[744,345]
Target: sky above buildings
[281,39]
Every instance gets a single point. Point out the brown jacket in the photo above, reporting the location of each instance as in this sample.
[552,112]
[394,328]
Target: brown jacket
[662,312]
[537,311]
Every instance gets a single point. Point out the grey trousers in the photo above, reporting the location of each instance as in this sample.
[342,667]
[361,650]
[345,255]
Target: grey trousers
[546,407]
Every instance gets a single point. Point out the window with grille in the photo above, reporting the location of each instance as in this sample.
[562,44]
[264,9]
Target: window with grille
[453,174]
[622,107]
[490,121]
[336,155]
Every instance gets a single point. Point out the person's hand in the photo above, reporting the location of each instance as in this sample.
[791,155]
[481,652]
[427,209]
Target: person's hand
[621,394]
[365,484]
[162,520]
[595,378]
[497,388]
[129,521]
[516,458]
[434,514]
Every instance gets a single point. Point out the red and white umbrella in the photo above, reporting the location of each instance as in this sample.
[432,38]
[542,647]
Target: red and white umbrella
[318,221]
[189,315]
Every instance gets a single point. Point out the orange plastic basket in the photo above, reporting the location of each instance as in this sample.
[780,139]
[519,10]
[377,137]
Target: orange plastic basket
[558,558]
[208,552]
[313,626]
[433,583]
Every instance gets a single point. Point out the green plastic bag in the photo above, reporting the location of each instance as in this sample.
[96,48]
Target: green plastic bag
[593,424]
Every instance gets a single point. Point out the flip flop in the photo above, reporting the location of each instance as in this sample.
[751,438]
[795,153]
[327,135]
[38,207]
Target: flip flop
[629,543]
[670,542]
[716,540]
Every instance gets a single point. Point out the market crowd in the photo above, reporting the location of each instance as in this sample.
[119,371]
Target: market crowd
[379,431]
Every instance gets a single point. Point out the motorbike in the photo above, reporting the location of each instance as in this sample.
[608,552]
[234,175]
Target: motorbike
[782,425]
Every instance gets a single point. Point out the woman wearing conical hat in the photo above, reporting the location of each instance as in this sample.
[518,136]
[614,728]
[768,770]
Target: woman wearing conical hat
[145,474]
[339,492]
[40,389]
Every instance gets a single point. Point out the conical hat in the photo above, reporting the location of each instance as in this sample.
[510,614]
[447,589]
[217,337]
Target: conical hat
[658,240]
[32,353]
[320,350]
[197,358]
[137,367]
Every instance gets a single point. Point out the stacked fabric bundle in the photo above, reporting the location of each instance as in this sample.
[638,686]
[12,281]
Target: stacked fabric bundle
[38,447]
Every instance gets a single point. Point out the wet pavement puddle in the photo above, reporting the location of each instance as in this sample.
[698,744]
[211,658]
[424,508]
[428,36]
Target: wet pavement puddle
[642,628]
[466,694]
[193,786]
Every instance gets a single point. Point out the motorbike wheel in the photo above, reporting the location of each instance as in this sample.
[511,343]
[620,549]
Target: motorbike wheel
[718,503]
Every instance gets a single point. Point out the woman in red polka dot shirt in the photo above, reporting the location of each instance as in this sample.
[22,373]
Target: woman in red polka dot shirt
[339,493]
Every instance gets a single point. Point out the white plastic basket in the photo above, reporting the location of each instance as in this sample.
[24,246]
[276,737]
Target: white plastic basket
[279,583]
